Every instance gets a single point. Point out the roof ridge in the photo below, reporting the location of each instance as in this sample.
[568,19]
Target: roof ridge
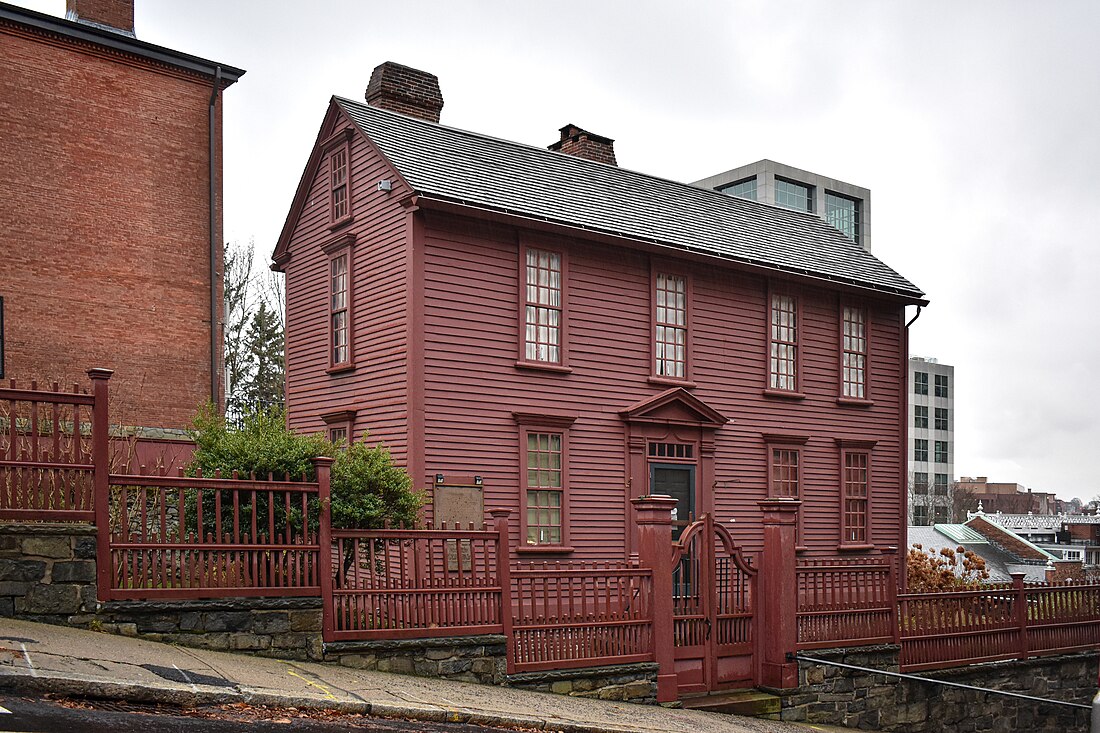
[808,215]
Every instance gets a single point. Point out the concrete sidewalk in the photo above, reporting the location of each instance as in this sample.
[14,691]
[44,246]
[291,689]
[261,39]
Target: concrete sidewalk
[60,660]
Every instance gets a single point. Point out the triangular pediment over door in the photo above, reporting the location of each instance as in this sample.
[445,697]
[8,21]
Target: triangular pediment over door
[671,431]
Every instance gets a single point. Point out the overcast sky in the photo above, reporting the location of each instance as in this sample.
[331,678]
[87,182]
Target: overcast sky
[975,125]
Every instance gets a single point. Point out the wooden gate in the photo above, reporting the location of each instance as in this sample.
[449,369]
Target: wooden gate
[713,610]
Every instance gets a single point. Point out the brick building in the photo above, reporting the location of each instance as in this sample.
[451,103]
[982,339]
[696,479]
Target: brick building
[110,232]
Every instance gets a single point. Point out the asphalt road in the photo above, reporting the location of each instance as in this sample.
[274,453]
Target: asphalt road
[28,715]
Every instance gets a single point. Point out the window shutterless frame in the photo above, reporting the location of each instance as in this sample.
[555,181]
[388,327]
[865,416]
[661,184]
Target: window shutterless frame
[537,426]
[783,360]
[340,310]
[855,494]
[855,355]
[543,285]
[670,315]
[785,472]
[338,177]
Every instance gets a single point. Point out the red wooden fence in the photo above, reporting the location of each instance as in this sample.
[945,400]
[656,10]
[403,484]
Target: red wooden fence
[46,466]
[396,584]
[196,537]
[580,615]
[1007,621]
[846,602]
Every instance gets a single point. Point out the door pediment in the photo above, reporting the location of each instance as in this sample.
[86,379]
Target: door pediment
[675,406]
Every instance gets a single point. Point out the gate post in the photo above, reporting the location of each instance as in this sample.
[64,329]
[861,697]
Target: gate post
[504,577]
[325,564]
[101,482]
[654,517]
[779,593]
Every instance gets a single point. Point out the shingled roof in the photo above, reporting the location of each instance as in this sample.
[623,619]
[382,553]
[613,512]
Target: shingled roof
[471,169]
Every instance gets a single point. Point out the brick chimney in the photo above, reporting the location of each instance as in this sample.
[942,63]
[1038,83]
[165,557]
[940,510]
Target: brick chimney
[117,15]
[584,144]
[403,89]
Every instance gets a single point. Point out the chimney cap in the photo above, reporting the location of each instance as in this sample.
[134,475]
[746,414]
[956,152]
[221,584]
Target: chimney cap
[571,131]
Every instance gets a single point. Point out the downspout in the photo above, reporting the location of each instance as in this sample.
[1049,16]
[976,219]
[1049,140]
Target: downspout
[214,339]
[903,544]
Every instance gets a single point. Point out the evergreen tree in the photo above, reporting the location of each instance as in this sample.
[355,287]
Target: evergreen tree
[264,349]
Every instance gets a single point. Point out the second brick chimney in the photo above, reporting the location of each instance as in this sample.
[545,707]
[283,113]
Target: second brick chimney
[584,144]
[114,14]
[403,89]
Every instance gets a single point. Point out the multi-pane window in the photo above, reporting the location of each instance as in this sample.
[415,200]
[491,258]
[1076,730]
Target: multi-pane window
[941,484]
[785,473]
[745,189]
[920,450]
[920,516]
[843,213]
[920,482]
[543,307]
[941,385]
[920,416]
[941,418]
[855,353]
[940,515]
[338,290]
[337,435]
[920,382]
[793,195]
[671,336]
[544,488]
[941,451]
[856,485]
[338,182]
[783,369]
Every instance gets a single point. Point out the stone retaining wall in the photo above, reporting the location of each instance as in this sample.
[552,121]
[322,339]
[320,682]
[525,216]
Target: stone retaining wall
[47,571]
[627,682]
[287,628]
[465,658]
[836,696]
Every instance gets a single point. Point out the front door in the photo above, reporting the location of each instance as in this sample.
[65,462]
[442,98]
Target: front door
[677,481]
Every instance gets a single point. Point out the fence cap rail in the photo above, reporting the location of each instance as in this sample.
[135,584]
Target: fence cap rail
[195,482]
[48,397]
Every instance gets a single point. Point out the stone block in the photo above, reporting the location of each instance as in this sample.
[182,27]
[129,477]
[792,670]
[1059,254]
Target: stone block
[439,653]
[484,667]
[160,623]
[7,607]
[561,687]
[290,640]
[612,692]
[14,588]
[637,690]
[191,621]
[88,597]
[52,547]
[584,684]
[249,642]
[73,571]
[305,620]
[60,599]
[450,667]
[270,622]
[425,668]
[22,570]
[85,548]
[10,546]
[359,661]
[227,621]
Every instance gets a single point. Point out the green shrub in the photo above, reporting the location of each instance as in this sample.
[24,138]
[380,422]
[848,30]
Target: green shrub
[367,488]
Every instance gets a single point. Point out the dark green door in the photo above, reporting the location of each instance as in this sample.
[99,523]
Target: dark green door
[677,481]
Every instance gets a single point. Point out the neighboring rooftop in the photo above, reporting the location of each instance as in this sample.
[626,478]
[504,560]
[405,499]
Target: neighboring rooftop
[115,39]
[998,561]
[471,169]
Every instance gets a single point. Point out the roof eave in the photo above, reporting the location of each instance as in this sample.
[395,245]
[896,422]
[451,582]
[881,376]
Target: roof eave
[119,42]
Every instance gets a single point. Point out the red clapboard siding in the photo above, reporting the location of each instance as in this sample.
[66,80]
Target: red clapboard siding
[472,385]
[377,387]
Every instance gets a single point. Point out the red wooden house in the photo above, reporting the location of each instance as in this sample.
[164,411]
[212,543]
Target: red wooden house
[537,330]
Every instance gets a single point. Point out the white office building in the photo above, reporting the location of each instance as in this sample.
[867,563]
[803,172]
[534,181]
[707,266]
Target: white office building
[931,441]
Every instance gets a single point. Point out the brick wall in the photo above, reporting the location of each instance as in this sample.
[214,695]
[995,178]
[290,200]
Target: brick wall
[104,180]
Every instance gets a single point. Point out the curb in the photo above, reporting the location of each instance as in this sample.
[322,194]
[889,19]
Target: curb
[199,695]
